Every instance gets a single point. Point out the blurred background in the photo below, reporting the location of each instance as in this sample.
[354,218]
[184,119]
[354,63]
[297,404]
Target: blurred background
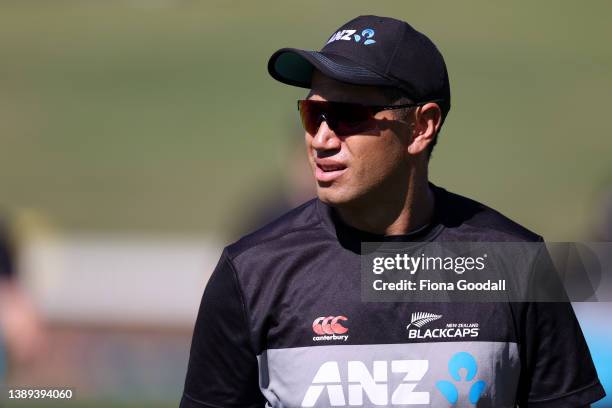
[137,138]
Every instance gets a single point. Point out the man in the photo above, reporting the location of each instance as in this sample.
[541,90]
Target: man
[282,322]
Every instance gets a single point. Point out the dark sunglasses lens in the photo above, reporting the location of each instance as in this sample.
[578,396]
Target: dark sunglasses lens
[351,118]
[343,118]
[310,113]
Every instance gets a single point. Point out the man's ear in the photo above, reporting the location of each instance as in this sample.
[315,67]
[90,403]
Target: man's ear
[427,121]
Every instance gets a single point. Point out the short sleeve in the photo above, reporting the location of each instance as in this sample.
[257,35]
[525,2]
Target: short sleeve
[556,366]
[222,370]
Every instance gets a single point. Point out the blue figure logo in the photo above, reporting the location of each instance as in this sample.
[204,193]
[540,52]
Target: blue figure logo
[449,390]
[368,33]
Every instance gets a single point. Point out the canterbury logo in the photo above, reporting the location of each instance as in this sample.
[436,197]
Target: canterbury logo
[329,325]
[420,319]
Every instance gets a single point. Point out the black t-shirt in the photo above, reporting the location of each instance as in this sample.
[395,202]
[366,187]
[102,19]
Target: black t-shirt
[282,324]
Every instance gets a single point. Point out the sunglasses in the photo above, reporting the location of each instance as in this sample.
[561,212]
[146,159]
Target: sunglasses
[343,118]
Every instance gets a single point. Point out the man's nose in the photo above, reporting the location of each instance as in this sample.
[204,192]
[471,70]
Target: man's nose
[325,139]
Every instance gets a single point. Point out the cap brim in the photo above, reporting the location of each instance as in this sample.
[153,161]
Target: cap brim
[295,67]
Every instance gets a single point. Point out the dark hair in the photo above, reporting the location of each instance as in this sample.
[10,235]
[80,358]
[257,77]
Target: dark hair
[397,96]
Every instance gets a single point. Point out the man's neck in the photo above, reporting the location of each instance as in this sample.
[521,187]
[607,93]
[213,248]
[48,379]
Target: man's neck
[401,215]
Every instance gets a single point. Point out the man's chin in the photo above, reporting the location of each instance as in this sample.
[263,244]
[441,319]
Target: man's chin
[335,197]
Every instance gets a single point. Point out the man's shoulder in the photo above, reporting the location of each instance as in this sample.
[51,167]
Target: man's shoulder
[471,219]
[300,219]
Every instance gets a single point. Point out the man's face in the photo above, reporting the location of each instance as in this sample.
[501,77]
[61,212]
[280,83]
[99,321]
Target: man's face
[364,167]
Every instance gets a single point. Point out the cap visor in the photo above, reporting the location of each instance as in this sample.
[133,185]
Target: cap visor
[294,67]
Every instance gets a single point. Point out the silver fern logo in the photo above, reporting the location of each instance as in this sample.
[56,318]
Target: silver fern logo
[448,330]
[420,319]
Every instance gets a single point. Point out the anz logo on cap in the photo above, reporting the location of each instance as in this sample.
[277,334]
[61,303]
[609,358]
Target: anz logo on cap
[352,35]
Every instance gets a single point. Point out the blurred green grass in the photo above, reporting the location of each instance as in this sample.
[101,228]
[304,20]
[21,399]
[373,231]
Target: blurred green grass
[160,115]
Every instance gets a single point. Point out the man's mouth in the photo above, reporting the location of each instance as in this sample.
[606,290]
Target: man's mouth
[327,171]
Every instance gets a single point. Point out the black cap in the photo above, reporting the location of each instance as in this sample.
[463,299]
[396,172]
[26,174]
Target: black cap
[371,50]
